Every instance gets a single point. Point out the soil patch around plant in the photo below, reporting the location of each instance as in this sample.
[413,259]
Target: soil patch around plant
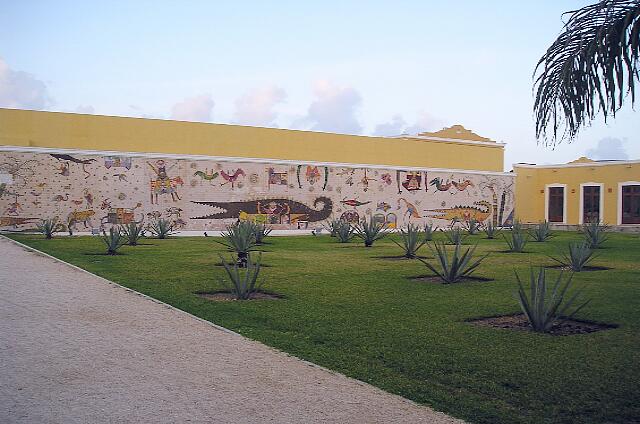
[584,268]
[434,279]
[227,296]
[231,264]
[402,258]
[561,328]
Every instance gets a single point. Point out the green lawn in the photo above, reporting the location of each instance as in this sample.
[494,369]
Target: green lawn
[359,315]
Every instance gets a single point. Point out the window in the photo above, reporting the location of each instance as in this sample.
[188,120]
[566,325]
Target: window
[555,206]
[591,203]
[631,204]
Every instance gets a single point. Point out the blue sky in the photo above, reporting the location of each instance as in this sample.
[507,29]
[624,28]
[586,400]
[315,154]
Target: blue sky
[355,67]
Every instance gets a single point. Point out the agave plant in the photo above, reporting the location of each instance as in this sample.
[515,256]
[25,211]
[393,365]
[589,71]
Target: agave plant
[491,230]
[344,232]
[260,232]
[577,257]
[455,235]
[541,232]
[50,226]
[543,308]
[595,234]
[411,242]
[243,284]
[370,231]
[517,240]
[161,228]
[454,269]
[428,229]
[114,240]
[241,239]
[472,226]
[332,227]
[133,232]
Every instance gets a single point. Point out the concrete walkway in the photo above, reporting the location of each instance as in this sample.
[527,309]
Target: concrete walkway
[75,348]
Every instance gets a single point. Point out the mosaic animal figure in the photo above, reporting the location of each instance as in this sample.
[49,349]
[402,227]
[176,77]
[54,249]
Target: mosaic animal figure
[122,216]
[206,175]
[275,211]
[440,185]
[80,216]
[14,221]
[383,206]
[411,211]
[70,158]
[231,178]
[480,212]
[462,185]
[353,202]
[165,186]
[61,198]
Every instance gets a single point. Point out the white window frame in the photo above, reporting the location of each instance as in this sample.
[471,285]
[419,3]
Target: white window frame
[620,185]
[601,211]
[564,202]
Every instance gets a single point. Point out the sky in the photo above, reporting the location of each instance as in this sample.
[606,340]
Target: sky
[369,68]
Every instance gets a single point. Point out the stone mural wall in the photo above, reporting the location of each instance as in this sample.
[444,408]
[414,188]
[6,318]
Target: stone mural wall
[93,192]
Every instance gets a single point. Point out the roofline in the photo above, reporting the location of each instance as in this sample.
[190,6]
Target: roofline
[22,149]
[453,140]
[578,165]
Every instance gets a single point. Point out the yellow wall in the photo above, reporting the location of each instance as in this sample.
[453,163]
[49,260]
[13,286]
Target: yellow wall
[92,132]
[531,182]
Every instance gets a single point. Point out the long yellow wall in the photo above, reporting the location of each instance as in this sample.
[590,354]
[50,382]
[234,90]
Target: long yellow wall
[92,132]
[531,182]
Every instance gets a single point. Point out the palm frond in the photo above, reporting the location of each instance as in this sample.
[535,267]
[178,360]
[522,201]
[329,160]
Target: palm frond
[590,68]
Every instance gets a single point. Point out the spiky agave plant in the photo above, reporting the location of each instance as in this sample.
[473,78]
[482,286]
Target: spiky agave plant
[50,226]
[242,284]
[541,232]
[344,232]
[590,68]
[133,232]
[516,240]
[491,230]
[455,235]
[161,228]
[332,227]
[577,256]
[543,307]
[411,241]
[114,240]
[472,226]
[369,231]
[595,234]
[260,232]
[239,238]
[460,265]
[429,229]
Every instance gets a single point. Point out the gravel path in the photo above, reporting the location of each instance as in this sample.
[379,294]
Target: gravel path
[75,348]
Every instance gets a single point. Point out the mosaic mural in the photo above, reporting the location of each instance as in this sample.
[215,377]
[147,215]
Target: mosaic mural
[89,192]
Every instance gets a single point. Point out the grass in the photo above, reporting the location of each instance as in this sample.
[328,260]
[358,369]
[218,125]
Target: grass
[363,317]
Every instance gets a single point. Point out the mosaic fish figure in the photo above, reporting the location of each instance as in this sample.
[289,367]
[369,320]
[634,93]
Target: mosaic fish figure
[285,209]
[353,202]
[480,212]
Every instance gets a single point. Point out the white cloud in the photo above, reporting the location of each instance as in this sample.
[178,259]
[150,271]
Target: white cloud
[198,108]
[334,110]
[21,90]
[608,148]
[256,107]
[397,125]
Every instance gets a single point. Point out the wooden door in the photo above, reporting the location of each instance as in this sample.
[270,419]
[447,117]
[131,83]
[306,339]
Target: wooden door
[556,204]
[631,204]
[591,204]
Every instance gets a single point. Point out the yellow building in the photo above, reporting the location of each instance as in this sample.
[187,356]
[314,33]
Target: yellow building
[578,192]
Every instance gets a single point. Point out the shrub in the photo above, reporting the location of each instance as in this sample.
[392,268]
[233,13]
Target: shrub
[333,227]
[161,228]
[595,234]
[491,230]
[455,235]
[541,232]
[370,231]
[50,226]
[344,232]
[114,240]
[244,284]
[241,239]
[543,308]
[428,229]
[133,232]
[517,240]
[578,256]
[472,226]
[455,269]
[260,232]
[411,242]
